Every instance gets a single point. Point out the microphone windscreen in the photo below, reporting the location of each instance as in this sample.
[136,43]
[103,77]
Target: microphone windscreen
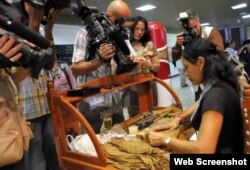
[119,41]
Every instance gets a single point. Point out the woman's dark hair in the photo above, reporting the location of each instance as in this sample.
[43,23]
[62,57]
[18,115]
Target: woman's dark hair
[216,66]
[246,42]
[146,36]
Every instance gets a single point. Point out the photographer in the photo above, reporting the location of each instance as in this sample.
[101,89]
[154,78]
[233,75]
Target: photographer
[209,33]
[101,64]
[33,98]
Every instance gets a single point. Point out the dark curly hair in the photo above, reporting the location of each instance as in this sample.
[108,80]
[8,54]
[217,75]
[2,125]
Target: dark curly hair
[146,36]
[216,65]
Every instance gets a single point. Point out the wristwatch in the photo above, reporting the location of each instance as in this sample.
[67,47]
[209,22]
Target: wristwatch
[167,141]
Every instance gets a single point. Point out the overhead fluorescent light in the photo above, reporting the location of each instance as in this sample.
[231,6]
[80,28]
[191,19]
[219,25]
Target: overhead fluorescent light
[205,24]
[246,16]
[146,7]
[243,5]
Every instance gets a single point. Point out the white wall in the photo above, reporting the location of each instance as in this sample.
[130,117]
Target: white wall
[171,38]
[65,34]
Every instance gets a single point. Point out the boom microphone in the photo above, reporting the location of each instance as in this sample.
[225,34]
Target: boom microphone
[23,31]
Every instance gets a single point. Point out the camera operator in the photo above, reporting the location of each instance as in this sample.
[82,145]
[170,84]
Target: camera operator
[102,63]
[208,32]
[33,98]
[8,89]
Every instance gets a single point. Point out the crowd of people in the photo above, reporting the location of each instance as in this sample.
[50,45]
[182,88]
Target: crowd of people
[217,91]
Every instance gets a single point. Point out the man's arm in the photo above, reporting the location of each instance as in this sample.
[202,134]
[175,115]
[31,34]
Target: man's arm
[83,67]
[177,49]
[176,52]
[49,36]
[105,52]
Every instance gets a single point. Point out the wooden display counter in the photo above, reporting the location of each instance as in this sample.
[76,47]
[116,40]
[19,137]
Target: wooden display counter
[246,122]
[66,116]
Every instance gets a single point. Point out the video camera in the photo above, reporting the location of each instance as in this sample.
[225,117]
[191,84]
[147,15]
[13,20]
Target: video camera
[101,30]
[31,58]
[189,34]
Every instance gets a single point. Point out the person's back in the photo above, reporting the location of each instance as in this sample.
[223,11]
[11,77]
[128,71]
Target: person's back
[226,100]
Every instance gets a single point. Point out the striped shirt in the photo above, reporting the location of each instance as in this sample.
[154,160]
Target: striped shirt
[32,96]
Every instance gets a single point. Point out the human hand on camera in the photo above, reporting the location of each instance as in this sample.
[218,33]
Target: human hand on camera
[9,49]
[179,39]
[106,51]
[35,15]
[50,19]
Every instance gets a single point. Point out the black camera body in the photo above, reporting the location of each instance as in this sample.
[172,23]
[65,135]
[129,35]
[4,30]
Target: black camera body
[188,34]
[101,30]
[35,59]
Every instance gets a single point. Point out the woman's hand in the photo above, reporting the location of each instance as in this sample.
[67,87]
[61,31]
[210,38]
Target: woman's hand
[142,62]
[171,125]
[156,138]
[136,59]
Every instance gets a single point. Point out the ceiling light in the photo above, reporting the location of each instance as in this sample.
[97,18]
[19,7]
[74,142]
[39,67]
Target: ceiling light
[205,24]
[239,6]
[145,7]
[246,16]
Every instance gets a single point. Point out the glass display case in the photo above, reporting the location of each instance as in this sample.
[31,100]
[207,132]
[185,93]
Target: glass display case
[123,100]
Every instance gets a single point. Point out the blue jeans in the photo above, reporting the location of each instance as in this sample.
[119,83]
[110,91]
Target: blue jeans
[42,151]
[16,166]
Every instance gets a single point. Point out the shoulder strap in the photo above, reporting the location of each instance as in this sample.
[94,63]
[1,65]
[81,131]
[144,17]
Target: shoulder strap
[66,75]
